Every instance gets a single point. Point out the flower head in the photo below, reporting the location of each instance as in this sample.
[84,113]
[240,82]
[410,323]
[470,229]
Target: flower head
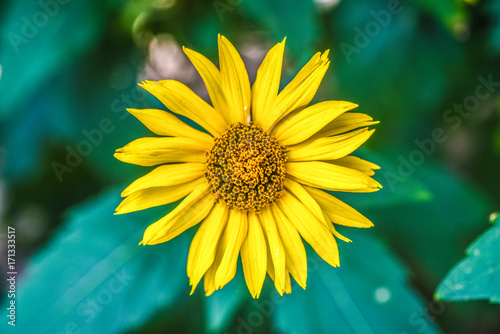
[254,178]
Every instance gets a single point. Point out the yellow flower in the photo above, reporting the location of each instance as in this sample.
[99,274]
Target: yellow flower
[253,179]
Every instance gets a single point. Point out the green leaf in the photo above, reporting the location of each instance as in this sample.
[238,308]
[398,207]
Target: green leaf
[430,235]
[384,81]
[451,14]
[297,20]
[368,293]
[222,305]
[478,275]
[396,190]
[41,39]
[58,99]
[492,10]
[92,277]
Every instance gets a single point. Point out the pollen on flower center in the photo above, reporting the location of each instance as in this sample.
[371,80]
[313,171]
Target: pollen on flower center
[246,167]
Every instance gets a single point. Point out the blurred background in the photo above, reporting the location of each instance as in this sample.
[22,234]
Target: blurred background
[428,70]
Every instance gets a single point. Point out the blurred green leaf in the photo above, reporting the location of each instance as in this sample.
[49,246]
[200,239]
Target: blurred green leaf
[381,61]
[66,90]
[396,190]
[297,20]
[451,14]
[492,10]
[223,305]
[94,278]
[70,114]
[431,234]
[478,275]
[368,293]
[42,38]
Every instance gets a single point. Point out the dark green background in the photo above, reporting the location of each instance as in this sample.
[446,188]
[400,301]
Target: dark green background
[68,71]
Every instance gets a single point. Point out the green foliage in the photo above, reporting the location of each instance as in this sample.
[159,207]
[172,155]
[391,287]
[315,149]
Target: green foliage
[296,19]
[397,190]
[32,29]
[450,13]
[364,55]
[94,278]
[59,86]
[224,305]
[59,82]
[421,229]
[476,276]
[93,270]
[368,293]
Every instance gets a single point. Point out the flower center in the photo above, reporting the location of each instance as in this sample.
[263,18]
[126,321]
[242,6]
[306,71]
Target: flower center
[246,167]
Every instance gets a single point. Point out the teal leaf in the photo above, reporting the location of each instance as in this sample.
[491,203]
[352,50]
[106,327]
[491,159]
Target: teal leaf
[384,81]
[429,234]
[492,9]
[69,115]
[451,14]
[297,20]
[396,190]
[478,275]
[42,38]
[368,293]
[92,277]
[223,305]
[51,100]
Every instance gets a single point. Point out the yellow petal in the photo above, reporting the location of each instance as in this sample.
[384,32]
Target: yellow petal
[296,257]
[276,249]
[287,288]
[164,123]
[311,229]
[204,244]
[227,252]
[156,151]
[329,148]
[309,67]
[331,177]
[266,86]
[151,197]
[167,175]
[353,162]
[309,202]
[254,256]
[229,247]
[345,123]
[335,233]
[211,76]
[288,283]
[270,271]
[235,82]
[309,121]
[302,195]
[209,279]
[183,101]
[193,209]
[300,91]
[336,210]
